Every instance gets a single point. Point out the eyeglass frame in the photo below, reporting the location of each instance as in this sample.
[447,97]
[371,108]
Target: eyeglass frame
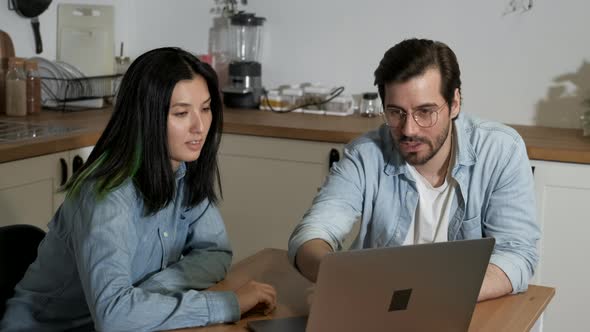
[404,115]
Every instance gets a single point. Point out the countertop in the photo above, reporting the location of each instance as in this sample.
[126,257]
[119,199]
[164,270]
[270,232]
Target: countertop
[543,143]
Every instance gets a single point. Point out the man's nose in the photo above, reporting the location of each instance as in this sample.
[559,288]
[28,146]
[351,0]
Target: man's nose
[409,126]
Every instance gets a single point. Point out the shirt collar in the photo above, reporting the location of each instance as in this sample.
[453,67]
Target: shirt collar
[181,171]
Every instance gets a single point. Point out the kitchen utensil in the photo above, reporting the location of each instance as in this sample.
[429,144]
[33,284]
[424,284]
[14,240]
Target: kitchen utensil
[6,52]
[245,82]
[32,9]
[6,46]
[85,38]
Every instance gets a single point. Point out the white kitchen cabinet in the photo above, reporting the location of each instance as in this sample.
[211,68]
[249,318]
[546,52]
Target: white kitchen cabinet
[29,187]
[76,158]
[563,196]
[268,184]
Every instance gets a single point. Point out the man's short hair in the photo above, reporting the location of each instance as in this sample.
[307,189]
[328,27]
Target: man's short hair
[411,58]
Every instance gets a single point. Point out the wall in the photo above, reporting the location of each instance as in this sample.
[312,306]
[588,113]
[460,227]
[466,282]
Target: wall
[21,33]
[529,67]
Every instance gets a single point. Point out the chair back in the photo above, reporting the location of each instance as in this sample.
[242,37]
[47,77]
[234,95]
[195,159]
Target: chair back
[18,249]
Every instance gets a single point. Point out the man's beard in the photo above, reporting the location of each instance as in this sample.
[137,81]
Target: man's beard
[413,158]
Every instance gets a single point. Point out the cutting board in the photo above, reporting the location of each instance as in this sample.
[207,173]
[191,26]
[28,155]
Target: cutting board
[85,38]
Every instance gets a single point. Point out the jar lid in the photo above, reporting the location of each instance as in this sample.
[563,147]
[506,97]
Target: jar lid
[31,65]
[248,19]
[370,95]
[16,61]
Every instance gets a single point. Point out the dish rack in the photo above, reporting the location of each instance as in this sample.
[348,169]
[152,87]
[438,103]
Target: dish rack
[76,94]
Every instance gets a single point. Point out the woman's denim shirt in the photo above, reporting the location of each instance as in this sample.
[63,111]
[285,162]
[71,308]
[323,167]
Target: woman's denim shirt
[104,265]
[494,197]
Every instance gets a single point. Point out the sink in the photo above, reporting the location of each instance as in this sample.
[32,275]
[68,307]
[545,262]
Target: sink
[11,132]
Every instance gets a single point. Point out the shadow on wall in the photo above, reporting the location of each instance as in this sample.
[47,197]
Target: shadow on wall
[563,106]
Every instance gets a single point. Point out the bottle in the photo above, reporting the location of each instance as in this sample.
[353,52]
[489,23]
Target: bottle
[219,49]
[33,87]
[16,88]
[3,69]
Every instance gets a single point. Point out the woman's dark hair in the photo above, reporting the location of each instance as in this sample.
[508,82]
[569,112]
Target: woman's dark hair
[134,144]
[411,58]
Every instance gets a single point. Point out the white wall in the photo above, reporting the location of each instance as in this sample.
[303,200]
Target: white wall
[522,68]
[21,32]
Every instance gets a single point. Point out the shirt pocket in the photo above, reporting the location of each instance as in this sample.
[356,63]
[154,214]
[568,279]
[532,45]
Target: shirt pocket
[471,228]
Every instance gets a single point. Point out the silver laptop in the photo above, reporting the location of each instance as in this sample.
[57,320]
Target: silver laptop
[425,287]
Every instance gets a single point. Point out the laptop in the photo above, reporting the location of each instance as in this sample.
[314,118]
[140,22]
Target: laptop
[424,287]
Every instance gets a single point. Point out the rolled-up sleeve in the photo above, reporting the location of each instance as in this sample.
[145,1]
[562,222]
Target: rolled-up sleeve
[104,251]
[335,208]
[206,256]
[511,219]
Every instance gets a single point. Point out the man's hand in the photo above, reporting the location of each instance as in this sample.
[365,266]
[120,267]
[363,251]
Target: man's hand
[254,293]
[308,257]
[495,284]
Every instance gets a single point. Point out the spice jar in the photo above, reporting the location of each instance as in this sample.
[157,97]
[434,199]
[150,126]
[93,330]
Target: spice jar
[370,106]
[16,88]
[33,87]
[294,97]
[273,100]
[314,96]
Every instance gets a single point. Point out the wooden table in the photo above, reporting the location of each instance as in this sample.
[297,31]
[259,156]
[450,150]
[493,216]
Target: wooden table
[508,313]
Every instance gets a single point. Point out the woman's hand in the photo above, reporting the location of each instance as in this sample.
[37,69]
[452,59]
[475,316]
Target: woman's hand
[254,293]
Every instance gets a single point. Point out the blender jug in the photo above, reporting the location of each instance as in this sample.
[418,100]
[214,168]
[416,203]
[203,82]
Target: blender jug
[245,83]
[245,36]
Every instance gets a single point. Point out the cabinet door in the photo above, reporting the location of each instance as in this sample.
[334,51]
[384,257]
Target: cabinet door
[268,184]
[563,196]
[76,158]
[27,189]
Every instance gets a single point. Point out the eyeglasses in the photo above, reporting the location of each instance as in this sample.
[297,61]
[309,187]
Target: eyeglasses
[425,117]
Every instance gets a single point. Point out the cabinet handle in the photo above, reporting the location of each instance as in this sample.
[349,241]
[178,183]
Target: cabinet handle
[76,164]
[533,169]
[334,157]
[64,171]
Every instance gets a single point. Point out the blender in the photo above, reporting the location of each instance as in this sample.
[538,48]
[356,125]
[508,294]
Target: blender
[245,84]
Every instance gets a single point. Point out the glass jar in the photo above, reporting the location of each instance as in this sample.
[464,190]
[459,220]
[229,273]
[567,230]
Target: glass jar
[313,95]
[293,97]
[16,88]
[370,105]
[33,87]
[219,49]
[273,99]
[341,105]
[586,123]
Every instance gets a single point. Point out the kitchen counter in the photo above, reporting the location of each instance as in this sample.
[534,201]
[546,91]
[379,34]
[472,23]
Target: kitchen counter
[543,143]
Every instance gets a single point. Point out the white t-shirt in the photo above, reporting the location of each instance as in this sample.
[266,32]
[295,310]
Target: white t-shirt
[431,219]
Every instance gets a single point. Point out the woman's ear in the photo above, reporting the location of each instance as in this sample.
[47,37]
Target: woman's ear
[456,105]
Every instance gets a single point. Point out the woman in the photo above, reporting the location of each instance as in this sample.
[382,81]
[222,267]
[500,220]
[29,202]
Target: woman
[139,233]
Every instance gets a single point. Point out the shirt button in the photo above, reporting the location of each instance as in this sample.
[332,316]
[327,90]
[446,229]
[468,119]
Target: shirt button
[165,234]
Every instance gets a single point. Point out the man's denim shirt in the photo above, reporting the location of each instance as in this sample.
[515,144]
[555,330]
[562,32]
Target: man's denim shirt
[494,197]
[104,265]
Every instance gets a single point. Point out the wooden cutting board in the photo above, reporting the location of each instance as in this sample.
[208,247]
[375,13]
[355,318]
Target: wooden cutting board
[6,51]
[85,38]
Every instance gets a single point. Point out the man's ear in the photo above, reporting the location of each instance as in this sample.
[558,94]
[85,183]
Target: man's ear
[456,105]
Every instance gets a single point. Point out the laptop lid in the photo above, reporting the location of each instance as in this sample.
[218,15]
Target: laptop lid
[425,287]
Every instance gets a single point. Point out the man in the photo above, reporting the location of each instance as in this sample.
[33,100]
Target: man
[429,174]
